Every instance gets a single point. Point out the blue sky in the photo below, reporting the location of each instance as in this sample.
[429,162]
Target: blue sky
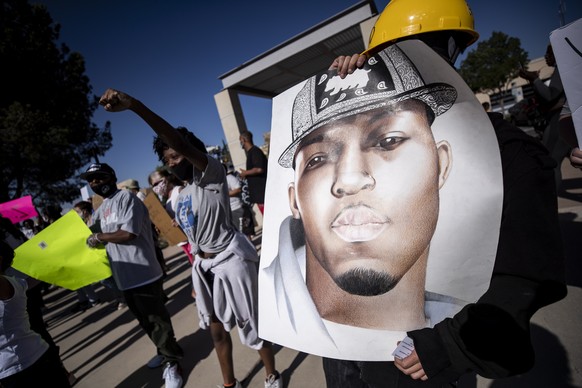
[169,54]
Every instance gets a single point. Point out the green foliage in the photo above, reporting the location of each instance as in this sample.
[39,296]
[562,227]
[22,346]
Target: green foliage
[46,106]
[493,63]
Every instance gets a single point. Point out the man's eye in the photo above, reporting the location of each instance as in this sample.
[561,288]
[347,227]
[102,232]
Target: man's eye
[391,142]
[315,161]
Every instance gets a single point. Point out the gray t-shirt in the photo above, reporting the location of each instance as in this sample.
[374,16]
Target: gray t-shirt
[203,210]
[133,263]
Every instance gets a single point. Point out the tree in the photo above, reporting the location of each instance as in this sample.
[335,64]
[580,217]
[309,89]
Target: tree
[46,106]
[493,64]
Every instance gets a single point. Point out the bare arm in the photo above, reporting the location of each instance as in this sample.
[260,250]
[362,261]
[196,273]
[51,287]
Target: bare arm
[119,237]
[251,172]
[530,76]
[234,192]
[547,93]
[6,289]
[576,158]
[116,101]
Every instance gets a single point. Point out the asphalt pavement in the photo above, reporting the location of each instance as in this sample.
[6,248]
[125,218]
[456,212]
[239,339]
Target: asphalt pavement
[105,347]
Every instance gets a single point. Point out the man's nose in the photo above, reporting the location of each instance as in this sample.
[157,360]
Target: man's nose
[352,175]
[352,182]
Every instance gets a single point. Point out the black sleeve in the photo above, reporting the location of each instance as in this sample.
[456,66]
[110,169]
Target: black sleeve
[491,337]
[258,159]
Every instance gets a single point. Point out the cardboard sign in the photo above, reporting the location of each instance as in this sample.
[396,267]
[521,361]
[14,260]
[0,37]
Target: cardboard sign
[19,209]
[567,45]
[159,216]
[59,255]
[96,201]
[85,193]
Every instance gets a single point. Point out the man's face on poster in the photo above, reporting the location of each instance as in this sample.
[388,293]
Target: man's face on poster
[367,192]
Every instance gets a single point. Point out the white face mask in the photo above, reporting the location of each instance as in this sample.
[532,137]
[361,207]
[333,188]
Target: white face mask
[161,188]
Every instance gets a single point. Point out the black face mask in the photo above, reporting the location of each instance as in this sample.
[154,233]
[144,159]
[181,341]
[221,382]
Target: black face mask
[104,189]
[183,170]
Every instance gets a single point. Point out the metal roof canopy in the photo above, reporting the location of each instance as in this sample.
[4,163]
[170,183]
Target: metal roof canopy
[303,55]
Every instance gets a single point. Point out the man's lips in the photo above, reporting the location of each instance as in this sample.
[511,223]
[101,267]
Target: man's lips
[359,223]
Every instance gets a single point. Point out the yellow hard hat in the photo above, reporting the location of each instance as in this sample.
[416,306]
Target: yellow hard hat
[405,18]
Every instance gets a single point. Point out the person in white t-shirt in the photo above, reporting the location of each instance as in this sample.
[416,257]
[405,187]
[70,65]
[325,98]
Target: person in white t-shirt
[167,187]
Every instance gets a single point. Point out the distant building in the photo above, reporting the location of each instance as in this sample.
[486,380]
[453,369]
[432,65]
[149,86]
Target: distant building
[518,89]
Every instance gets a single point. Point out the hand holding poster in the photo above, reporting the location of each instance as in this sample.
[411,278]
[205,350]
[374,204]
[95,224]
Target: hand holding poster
[59,255]
[381,203]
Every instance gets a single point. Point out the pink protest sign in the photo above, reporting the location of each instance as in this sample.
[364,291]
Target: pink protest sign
[18,210]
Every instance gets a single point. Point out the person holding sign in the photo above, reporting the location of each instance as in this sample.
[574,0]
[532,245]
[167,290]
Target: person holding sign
[167,187]
[126,232]
[85,210]
[554,102]
[224,274]
[529,265]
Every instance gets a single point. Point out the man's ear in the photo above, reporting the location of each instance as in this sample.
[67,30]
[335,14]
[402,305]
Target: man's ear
[293,201]
[445,156]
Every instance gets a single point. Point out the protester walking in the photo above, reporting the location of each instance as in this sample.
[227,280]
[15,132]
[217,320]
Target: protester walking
[126,232]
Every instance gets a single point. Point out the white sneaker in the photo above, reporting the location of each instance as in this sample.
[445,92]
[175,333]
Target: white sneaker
[172,376]
[156,361]
[273,381]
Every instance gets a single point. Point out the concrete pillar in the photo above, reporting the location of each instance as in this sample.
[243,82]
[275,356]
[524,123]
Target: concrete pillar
[233,123]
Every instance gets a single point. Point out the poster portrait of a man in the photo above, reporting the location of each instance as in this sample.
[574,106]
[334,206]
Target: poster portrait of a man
[383,205]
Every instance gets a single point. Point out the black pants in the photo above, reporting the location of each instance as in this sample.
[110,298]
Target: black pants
[370,374]
[34,305]
[147,304]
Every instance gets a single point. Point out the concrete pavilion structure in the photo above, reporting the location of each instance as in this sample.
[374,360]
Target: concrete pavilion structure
[289,63]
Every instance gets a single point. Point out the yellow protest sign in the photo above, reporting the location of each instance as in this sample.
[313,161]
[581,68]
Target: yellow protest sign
[58,255]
